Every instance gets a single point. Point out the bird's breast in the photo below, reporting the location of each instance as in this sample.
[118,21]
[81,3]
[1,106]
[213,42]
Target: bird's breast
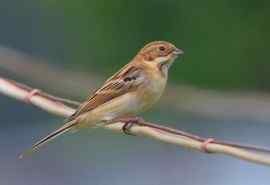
[152,91]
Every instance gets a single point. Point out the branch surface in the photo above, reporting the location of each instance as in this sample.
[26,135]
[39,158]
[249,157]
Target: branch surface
[62,107]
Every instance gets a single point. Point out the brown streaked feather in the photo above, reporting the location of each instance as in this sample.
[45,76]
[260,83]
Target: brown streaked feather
[126,80]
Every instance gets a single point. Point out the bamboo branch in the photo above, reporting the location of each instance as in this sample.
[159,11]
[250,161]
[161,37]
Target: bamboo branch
[58,106]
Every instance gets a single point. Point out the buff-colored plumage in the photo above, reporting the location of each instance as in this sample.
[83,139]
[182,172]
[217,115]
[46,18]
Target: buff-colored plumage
[134,88]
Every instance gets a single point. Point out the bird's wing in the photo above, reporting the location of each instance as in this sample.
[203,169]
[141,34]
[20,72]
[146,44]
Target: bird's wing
[126,80]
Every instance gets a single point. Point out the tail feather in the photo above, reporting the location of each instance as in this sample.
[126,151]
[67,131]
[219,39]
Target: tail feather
[66,127]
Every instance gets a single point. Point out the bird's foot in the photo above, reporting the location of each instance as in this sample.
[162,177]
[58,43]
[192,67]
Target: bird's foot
[129,122]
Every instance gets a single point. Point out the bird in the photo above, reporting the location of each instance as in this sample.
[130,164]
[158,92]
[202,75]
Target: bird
[133,89]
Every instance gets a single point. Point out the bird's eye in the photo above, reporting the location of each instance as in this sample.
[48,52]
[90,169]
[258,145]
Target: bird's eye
[161,48]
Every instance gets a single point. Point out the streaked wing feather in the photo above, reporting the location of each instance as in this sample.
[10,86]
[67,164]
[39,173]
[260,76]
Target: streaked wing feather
[124,81]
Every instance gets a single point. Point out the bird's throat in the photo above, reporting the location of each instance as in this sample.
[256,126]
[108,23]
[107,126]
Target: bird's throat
[164,67]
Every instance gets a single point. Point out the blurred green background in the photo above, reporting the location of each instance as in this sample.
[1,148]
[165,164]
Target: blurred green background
[226,42]
[226,47]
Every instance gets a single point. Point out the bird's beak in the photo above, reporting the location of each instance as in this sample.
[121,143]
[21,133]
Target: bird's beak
[178,51]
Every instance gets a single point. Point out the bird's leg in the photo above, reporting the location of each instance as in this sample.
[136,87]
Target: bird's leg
[129,122]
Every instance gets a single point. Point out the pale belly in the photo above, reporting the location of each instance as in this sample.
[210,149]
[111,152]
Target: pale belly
[127,104]
[122,105]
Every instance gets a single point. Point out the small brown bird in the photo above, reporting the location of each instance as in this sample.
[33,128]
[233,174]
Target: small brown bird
[133,89]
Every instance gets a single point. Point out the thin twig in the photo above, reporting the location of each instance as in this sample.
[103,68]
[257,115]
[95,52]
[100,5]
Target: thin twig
[58,106]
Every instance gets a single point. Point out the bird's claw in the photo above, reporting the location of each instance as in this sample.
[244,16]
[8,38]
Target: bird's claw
[126,128]
[129,122]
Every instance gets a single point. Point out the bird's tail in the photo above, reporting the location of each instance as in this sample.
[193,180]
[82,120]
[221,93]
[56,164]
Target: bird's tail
[66,127]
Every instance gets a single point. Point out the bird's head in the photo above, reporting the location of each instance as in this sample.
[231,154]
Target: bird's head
[160,53]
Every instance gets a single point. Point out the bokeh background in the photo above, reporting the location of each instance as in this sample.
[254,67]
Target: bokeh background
[220,88]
